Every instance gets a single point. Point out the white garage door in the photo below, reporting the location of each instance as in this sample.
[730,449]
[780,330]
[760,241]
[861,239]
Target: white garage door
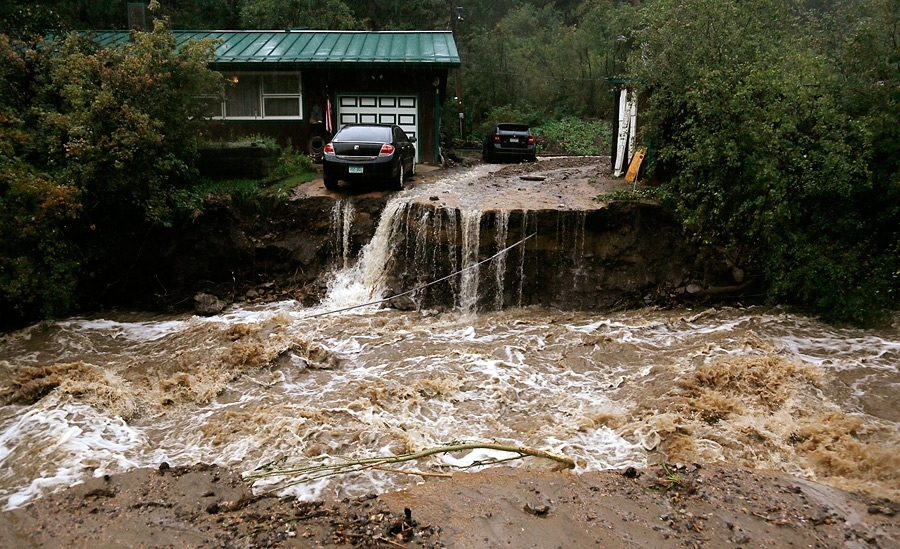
[402,110]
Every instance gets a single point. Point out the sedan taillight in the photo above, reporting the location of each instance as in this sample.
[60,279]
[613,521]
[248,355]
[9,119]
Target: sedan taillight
[496,138]
[329,149]
[386,150]
[531,140]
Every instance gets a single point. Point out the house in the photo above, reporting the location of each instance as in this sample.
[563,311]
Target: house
[285,83]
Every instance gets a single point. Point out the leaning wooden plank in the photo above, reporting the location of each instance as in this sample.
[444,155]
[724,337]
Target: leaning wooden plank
[635,166]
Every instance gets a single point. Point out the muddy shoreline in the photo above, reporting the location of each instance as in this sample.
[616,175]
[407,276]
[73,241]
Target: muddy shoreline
[676,506]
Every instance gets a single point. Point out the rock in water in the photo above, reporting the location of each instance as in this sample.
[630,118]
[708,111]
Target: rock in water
[207,304]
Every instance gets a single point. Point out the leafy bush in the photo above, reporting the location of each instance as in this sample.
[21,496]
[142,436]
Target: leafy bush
[97,146]
[292,161]
[38,265]
[125,121]
[575,136]
[768,144]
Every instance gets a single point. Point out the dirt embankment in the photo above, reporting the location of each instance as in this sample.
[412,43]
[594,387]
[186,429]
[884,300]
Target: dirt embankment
[694,506]
[633,250]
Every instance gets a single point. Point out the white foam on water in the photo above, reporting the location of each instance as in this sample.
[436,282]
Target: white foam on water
[615,451]
[133,331]
[403,382]
[58,444]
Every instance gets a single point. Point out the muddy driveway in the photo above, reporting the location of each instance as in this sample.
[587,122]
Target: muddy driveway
[571,182]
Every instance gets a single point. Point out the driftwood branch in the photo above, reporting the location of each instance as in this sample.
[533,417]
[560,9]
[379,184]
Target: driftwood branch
[314,472]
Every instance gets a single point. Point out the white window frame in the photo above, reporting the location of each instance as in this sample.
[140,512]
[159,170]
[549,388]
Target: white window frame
[262,97]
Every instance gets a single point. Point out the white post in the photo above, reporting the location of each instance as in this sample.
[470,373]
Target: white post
[622,136]
[632,126]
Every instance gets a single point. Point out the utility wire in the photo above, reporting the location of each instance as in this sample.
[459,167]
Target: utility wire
[451,275]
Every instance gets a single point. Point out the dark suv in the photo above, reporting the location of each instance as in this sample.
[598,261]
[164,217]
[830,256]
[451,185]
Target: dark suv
[508,142]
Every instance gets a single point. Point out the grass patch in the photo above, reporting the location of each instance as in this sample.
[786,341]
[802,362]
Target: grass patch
[282,187]
[644,193]
[575,136]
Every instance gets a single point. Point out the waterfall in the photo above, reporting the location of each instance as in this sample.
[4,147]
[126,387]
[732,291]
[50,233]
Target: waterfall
[520,278]
[574,240]
[342,214]
[501,233]
[468,282]
[364,281]
[430,255]
[452,239]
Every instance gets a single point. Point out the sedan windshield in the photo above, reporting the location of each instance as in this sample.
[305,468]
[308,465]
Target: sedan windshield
[369,134]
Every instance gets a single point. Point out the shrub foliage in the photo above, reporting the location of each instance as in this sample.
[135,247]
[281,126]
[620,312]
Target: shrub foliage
[780,147]
[97,147]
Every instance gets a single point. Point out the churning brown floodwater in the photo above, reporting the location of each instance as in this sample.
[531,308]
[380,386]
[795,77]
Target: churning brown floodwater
[754,387]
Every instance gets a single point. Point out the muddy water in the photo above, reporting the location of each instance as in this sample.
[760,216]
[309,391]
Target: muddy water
[279,382]
[761,388]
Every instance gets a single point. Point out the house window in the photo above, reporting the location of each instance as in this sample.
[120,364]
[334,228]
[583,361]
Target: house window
[254,95]
[212,106]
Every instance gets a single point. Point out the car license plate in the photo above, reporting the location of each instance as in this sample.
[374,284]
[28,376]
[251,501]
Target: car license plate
[513,139]
[355,169]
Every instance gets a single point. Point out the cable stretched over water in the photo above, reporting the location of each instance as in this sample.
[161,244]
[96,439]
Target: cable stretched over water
[417,288]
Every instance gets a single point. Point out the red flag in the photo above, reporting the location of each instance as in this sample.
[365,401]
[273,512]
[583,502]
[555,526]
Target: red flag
[328,126]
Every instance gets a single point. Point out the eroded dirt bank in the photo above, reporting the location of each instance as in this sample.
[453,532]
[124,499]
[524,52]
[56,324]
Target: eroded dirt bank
[584,254]
[693,506]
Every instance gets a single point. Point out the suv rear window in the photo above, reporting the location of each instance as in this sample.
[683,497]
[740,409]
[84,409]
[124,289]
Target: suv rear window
[512,127]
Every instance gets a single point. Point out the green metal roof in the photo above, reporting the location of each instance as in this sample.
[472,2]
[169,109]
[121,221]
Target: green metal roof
[323,48]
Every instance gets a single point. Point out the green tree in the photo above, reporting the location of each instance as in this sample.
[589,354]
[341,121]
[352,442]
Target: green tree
[200,14]
[595,49]
[25,19]
[536,57]
[762,158]
[514,64]
[401,14]
[96,148]
[286,14]
[126,123]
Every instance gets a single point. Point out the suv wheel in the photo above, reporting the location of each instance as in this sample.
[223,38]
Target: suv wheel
[331,183]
